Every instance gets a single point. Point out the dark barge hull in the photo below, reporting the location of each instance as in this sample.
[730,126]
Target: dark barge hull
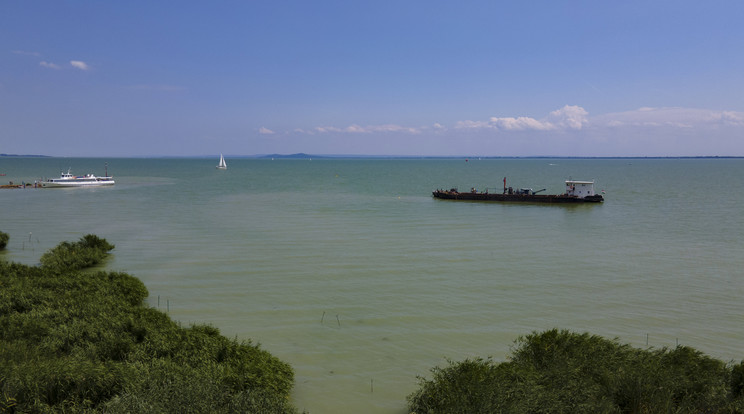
[517,198]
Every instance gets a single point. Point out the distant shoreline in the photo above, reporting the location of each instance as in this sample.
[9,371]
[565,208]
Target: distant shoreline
[24,156]
[302,156]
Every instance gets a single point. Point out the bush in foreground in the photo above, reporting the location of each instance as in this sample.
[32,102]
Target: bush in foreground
[3,240]
[80,341]
[564,372]
[89,251]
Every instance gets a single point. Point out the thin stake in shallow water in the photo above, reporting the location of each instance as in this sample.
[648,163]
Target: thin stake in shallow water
[322,317]
[339,322]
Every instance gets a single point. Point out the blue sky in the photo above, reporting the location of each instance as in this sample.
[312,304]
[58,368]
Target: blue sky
[474,78]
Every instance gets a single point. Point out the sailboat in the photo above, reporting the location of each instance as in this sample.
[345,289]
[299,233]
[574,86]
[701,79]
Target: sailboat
[222,165]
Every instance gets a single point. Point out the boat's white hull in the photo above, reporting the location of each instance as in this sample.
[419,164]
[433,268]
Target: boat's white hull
[69,180]
[57,183]
[48,184]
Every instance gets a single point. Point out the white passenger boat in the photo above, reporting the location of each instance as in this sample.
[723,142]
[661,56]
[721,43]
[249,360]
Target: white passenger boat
[69,180]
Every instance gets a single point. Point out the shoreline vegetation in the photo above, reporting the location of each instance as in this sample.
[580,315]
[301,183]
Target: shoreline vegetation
[558,371]
[77,339]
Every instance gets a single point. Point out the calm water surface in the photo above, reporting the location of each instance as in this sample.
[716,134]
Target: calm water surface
[350,271]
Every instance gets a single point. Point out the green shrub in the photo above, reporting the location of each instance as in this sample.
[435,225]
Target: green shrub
[737,380]
[561,372]
[89,251]
[81,341]
[3,240]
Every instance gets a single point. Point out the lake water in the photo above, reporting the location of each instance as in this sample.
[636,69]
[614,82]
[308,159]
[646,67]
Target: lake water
[351,272]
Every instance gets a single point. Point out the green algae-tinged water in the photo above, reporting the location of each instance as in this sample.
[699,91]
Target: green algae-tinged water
[350,271]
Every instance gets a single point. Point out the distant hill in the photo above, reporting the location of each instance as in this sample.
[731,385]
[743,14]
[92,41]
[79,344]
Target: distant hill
[300,155]
[24,155]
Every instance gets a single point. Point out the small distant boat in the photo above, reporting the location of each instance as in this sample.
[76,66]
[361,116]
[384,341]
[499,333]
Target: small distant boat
[69,180]
[576,192]
[222,165]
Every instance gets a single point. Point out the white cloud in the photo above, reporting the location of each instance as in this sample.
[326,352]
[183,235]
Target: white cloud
[567,131]
[669,117]
[568,117]
[519,124]
[732,118]
[325,129]
[393,128]
[48,65]
[358,129]
[472,124]
[265,131]
[79,64]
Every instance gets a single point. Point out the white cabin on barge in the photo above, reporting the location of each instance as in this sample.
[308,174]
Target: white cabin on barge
[579,189]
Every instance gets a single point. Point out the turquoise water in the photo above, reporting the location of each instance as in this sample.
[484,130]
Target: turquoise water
[350,271]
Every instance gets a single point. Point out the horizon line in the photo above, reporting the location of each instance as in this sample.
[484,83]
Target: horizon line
[302,155]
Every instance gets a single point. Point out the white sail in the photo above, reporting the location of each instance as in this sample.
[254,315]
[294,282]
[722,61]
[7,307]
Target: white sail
[222,165]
